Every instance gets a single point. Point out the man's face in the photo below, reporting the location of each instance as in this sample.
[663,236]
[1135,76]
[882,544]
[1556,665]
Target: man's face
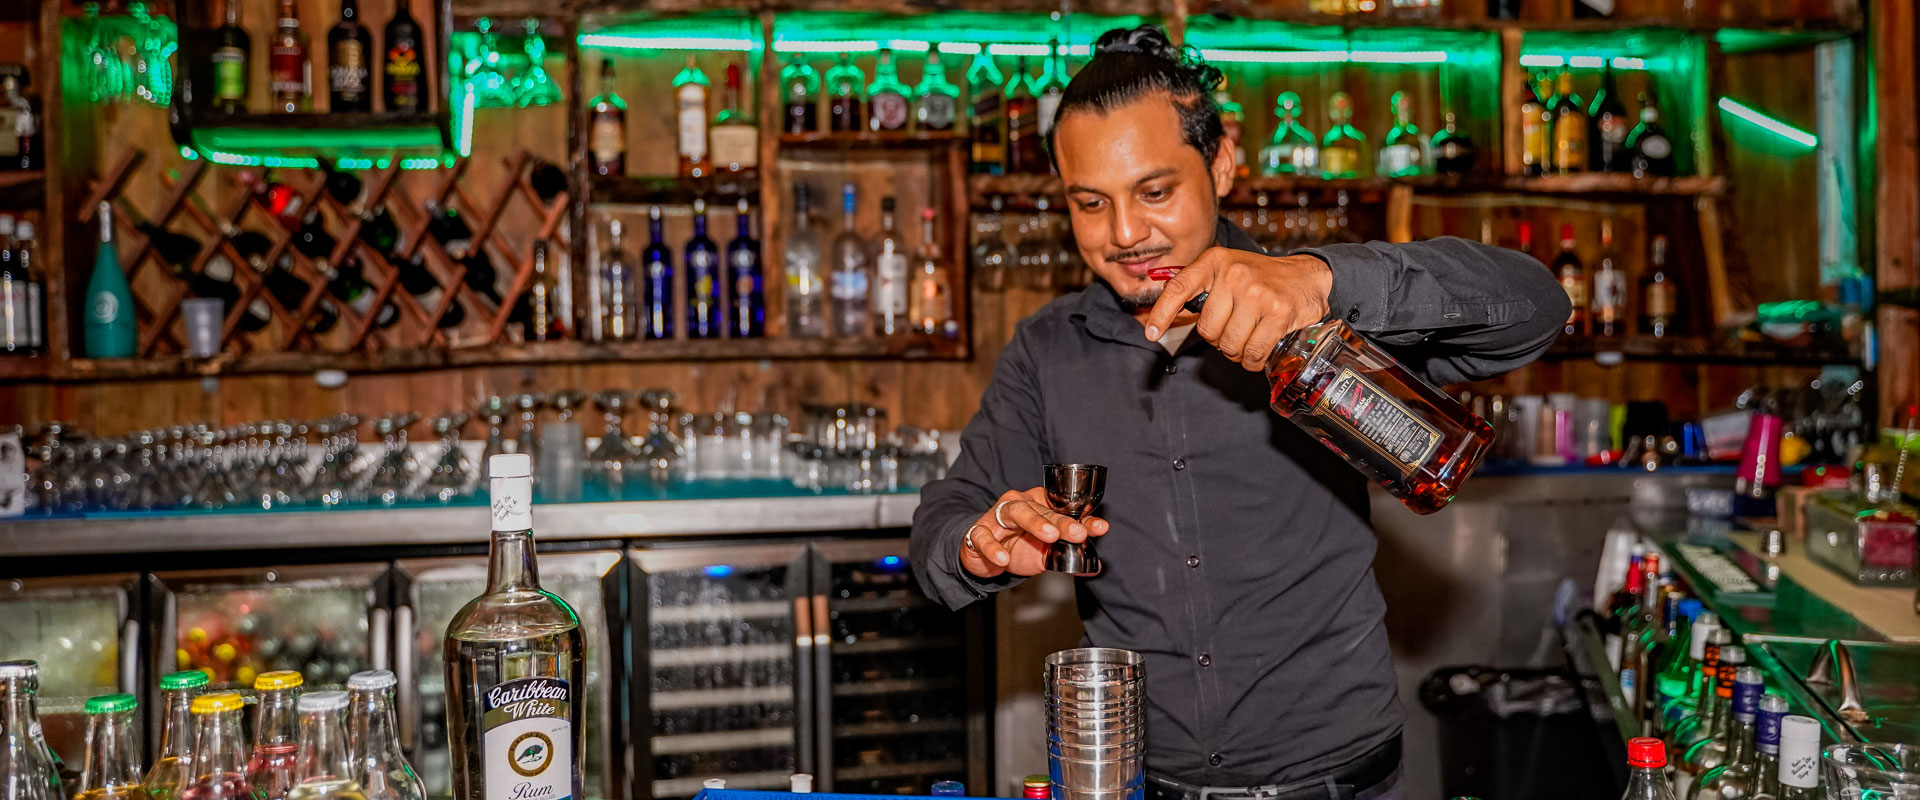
[1139,196]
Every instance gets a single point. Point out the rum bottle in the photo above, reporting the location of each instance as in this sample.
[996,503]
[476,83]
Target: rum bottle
[747,305]
[887,105]
[323,770]
[1573,278]
[986,127]
[275,728]
[515,665]
[690,100]
[349,51]
[1651,151]
[1658,297]
[219,750]
[1609,289]
[168,776]
[844,112]
[1022,109]
[607,132]
[1340,150]
[28,768]
[232,49]
[1402,153]
[373,740]
[936,100]
[1608,139]
[930,304]
[802,88]
[1536,129]
[404,66]
[112,767]
[1569,129]
[1294,150]
[703,278]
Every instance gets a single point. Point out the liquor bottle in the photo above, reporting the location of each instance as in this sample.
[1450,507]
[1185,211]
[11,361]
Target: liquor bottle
[1698,724]
[373,740]
[889,275]
[275,732]
[543,321]
[1609,289]
[1536,129]
[619,317]
[111,770]
[1383,420]
[1573,278]
[109,330]
[1711,751]
[232,49]
[805,272]
[1799,758]
[290,72]
[1734,777]
[1454,152]
[1024,150]
[1524,236]
[1647,768]
[28,768]
[408,83]
[480,276]
[1569,128]
[1340,150]
[987,126]
[1233,120]
[852,277]
[936,100]
[607,131]
[844,112]
[1658,297]
[14,311]
[656,281]
[1674,678]
[170,773]
[747,307]
[219,749]
[802,88]
[1592,9]
[516,662]
[930,302]
[1294,150]
[1052,86]
[20,138]
[1766,746]
[887,105]
[349,50]
[690,102]
[735,135]
[323,769]
[1608,138]
[1402,153]
[348,282]
[1650,151]
[703,278]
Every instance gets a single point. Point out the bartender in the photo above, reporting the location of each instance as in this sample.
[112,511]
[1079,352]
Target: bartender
[1237,550]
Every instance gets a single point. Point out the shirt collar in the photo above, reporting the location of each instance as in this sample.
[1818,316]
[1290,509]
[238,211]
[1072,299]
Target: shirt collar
[1098,307]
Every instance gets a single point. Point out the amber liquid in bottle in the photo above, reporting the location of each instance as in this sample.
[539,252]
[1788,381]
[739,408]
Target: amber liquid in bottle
[1417,442]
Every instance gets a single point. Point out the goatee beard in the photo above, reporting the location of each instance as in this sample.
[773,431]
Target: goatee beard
[1138,300]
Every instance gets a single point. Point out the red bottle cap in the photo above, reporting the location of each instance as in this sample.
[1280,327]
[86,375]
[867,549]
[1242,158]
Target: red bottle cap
[1646,751]
[1566,232]
[1163,273]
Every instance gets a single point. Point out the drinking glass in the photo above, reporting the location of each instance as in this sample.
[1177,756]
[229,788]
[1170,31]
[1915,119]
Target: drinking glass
[615,458]
[535,88]
[392,479]
[662,450]
[494,410]
[482,70]
[1074,490]
[1873,771]
[529,440]
[452,475]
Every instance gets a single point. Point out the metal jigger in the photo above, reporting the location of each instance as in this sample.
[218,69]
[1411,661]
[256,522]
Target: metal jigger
[1073,490]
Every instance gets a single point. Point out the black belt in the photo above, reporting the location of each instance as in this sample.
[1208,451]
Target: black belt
[1368,770]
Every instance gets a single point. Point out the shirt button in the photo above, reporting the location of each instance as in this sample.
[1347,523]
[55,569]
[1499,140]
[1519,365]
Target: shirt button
[1215,759]
[1353,314]
[1206,660]
[1179,463]
[1193,561]
[1170,368]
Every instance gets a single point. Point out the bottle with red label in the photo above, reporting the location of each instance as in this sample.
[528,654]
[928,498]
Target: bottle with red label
[291,81]
[1394,427]
[404,69]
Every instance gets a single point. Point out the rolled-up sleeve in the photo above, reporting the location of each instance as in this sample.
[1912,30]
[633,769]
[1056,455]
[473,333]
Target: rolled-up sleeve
[1000,449]
[1451,309]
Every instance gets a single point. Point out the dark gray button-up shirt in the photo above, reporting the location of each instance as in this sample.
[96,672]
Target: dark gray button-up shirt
[1239,561]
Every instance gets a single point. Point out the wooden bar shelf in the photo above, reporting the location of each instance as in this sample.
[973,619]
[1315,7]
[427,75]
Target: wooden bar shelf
[1609,184]
[721,189]
[1225,10]
[22,189]
[1699,350]
[871,140]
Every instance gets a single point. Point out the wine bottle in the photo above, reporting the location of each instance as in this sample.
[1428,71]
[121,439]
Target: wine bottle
[1607,140]
[801,85]
[349,51]
[404,67]
[109,331]
[747,307]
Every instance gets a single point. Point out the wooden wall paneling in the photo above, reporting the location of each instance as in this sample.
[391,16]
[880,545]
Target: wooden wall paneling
[1513,83]
[72,123]
[1896,182]
[579,184]
[1774,194]
[773,213]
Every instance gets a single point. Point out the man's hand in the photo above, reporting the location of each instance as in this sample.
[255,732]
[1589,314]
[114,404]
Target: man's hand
[1253,301]
[990,549]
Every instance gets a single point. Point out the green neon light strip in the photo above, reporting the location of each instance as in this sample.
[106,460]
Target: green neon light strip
[624,42]
[1581,62]
[609,41]
[1769,124]
[1324,56]
[240,160]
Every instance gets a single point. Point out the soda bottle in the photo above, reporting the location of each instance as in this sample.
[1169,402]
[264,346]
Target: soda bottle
[1036,787]
[1646,767]
[27,767]
[323,770]
[112,767]
[373,740]
[219,749]
[170,772]
[270,769]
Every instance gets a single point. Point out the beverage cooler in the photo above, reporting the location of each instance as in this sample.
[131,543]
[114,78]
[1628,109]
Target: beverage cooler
[765,660]
[327,621]
[427,593]
[85,632]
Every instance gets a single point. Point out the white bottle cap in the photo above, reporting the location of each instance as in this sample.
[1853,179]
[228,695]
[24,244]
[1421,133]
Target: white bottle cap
[24,231]
[801,783]
[322,701]
[715,783]
[510,485]
[372,679]
[510,465]
[1800,752]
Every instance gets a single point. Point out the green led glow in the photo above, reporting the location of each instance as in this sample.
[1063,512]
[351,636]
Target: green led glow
[1581,62]
[1769,124]
[353,163]
[188,154]
[617,41]
[1323,56]
[464,142]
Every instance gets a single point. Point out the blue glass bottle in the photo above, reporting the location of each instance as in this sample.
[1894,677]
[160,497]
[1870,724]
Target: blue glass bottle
[747,308]
[656,283]
[703,279]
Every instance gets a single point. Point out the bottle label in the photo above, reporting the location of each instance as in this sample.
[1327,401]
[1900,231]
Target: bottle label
[936,112]
[403,76]
[1766,734]
[1305,159]
[1396,159]
[287,64]
[1378,420]
[36,329]
[736,146]
[607,139]
[1660,299]
[527,739]
[1339,161]
[1050,105]
[890,293]
[1746,700]
[347,75]
[1609,293]
[1536,137]
[849,285]
[9,123]
[1570,143]
[1576,289]
[931,301]
[104,308]
[1613,129]
[230,74]
[692,99]
[890,111]
[1655,146]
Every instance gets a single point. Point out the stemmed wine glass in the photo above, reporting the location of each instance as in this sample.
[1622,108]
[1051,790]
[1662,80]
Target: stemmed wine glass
[392,479]
[452,476]
[615,457]
[529,440]
[535,88]
[1074,490]
[494,410]
[661,449]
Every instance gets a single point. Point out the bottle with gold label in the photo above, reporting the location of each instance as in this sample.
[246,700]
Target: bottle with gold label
[1340,151]
[690,115]
[735,135]
[1294,149]
[1569,128]
[515,665]
[1536,131]
[607,128]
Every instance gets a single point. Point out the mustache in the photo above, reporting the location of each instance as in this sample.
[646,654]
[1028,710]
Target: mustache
[1144,254]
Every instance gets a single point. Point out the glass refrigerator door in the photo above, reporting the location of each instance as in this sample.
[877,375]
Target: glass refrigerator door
[430,591]
[903,704]
[720,678]
[327,621]
[86,635]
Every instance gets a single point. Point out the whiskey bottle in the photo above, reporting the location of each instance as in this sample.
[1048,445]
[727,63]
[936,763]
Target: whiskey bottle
[1402,153]
[1608,138]
[1651,152]
[1609,289]
[1294,150]
[887,105]
[1573,278]
[1022,110]
[690,102]
[1340,150]
[404,66]
[1658,296]
[735,136]
[986,125]
[1569,128]
[844,112]
[349,48]
[1453,151]
[232,49]
[1536,129]
[290,71]
[607,132]
[935,100]
[802,88]
[1388,423]
[515,665]
[930,306]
